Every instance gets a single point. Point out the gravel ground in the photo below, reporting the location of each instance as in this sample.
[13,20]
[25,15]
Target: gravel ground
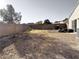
[40,44]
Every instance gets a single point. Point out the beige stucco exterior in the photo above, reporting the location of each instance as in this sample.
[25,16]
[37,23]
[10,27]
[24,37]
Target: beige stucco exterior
[74,17]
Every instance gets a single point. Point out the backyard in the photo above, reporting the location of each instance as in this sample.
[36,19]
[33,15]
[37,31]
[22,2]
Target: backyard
[41,44]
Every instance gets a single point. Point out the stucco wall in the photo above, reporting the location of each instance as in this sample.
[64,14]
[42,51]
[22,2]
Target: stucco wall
[7,29]
[74,16]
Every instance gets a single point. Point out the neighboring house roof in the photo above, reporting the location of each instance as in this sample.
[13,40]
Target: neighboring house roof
[62,21]
[65,20]
[59,22]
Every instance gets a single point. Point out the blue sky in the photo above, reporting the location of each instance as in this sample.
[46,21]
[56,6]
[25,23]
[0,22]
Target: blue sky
[39,10]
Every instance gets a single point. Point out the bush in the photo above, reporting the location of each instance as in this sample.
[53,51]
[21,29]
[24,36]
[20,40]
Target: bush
[66,30]
[70,30]
[62,30]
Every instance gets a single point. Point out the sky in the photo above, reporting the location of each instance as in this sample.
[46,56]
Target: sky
[39,10]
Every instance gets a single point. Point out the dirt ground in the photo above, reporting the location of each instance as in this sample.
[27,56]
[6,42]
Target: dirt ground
[41,44]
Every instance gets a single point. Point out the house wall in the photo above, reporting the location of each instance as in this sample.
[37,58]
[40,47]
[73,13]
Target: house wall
[78,28]
[73,17]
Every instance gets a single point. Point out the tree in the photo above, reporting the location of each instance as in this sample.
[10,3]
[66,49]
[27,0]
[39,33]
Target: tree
[9,15]
[47,21]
